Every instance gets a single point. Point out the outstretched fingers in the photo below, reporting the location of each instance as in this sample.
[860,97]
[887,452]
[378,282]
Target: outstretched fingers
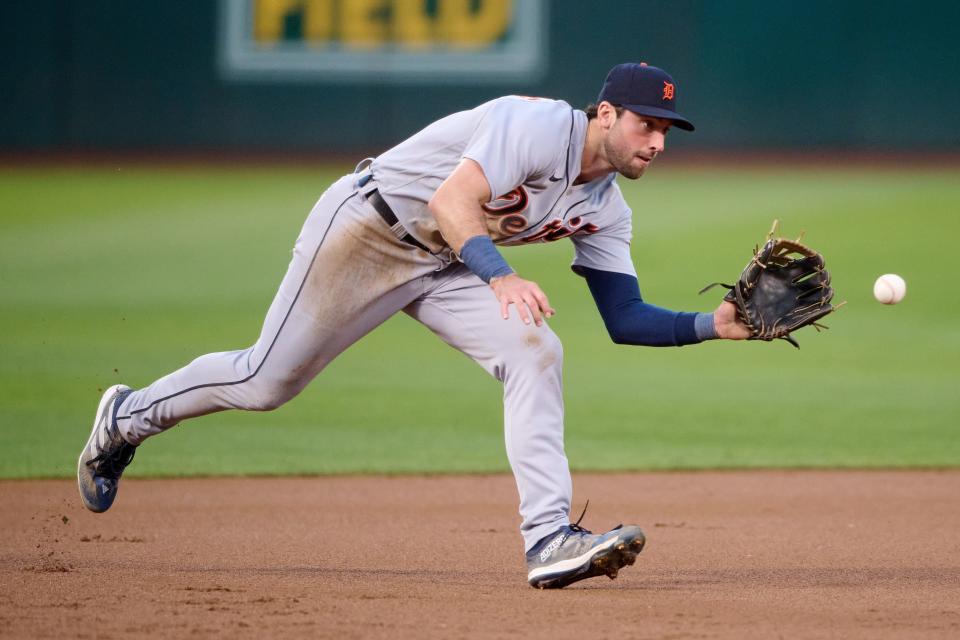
[531,302]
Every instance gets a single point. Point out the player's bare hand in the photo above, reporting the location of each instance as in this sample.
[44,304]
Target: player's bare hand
[727,324]
[525,294]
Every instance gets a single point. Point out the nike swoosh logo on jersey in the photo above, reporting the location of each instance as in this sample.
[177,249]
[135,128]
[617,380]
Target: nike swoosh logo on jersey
[553,179]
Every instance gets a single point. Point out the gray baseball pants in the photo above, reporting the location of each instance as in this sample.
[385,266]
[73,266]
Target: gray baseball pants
[349,273]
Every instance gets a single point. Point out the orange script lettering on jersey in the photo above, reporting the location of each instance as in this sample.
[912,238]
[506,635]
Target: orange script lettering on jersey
[556,229]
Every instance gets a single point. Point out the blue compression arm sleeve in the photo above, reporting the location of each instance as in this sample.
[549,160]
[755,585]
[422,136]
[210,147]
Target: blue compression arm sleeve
[630,320]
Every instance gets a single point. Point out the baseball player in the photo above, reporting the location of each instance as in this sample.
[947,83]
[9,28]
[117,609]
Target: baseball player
[416,230]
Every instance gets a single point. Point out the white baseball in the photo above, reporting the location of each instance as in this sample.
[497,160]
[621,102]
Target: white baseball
[889,289]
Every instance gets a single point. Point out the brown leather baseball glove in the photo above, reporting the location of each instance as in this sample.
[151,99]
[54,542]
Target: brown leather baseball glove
[784,287]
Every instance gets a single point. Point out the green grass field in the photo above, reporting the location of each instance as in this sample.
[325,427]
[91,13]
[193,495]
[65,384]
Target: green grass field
[122,275]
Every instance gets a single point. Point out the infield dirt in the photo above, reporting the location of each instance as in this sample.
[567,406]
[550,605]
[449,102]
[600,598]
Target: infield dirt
[729,555]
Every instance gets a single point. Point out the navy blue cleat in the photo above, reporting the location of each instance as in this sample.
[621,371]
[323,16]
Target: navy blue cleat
[572,553]
[105,455]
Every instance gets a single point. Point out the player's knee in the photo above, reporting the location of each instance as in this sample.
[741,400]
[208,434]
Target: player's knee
[271,392]
[542,353]
[553,350]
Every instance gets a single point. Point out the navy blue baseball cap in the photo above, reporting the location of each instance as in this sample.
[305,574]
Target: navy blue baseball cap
[646,90]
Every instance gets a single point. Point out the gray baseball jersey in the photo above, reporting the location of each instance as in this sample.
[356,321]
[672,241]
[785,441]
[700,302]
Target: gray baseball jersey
[350,272]
[530,151]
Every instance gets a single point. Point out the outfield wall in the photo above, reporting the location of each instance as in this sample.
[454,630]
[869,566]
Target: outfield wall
[343,75]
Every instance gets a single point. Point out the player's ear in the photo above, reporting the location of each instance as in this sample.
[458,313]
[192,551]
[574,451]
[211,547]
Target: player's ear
[606,114]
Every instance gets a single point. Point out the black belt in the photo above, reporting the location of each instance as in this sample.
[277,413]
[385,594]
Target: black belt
[390,218]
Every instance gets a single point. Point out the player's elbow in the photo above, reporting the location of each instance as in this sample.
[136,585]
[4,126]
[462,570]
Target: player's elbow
[465,188]
[618,333]
[445,199]
[436,203]
[622,338]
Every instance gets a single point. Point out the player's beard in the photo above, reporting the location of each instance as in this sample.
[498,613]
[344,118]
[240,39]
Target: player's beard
[620,156]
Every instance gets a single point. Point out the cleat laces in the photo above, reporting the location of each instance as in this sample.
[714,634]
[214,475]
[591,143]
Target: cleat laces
[575,526]
[114,459]
[110,464]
